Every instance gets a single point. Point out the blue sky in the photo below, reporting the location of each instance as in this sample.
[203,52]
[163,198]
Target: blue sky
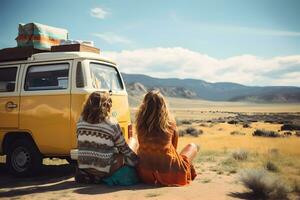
[254,42]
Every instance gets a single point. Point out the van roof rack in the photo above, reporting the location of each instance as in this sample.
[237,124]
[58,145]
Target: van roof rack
[23,53]
[18,53]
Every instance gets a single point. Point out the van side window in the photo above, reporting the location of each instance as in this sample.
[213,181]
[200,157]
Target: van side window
[8,79]
[47,77]
[79,76]
[105,77]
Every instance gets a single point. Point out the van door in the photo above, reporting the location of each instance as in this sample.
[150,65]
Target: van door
[45,105]
[9,96]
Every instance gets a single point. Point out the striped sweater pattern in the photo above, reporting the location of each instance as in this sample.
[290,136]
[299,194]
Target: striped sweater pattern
[99,144]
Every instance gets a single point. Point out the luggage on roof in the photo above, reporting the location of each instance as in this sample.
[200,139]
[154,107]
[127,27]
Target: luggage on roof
[40,36]
[18,53]
[37,38]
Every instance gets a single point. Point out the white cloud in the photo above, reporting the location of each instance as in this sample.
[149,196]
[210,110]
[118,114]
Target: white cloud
[99,13]
[184,63]
[112,38]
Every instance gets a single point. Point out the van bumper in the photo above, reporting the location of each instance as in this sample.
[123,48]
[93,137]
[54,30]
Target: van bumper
[74,154]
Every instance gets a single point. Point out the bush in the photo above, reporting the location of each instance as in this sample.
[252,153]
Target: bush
[297,133]
[190,131]
[237,133]
[290,127]
[193,132]
[265,133]
[246,126]
[185,121]
[232,122]
[240,154]
[288,133]
[263,185]
[270,166]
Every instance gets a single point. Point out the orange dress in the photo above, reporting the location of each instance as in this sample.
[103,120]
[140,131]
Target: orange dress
[159,162]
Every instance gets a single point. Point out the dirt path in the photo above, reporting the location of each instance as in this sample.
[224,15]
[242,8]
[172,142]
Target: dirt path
[57,182]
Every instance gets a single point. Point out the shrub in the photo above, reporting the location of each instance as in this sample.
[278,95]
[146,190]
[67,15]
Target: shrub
[246,126]
[270,166]
[185,121]
[297,133]
[288,133]
[290,127]
[190,131]
[193,132]
[263,185]
[232,122]
[240,154]
[265,133]
[237,133]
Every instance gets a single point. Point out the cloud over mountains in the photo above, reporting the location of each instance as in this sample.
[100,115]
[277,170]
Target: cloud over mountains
[184,63]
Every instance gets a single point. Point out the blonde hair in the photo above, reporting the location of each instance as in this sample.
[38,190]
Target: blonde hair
[153,116]
[97,107]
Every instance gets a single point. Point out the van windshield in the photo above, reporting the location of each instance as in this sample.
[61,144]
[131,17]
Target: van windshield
[105,77]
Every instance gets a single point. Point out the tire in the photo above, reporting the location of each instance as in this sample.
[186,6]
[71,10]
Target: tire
[23,158]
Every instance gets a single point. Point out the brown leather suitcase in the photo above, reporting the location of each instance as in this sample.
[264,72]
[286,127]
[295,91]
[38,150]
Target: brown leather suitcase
[18,53]
[75,47]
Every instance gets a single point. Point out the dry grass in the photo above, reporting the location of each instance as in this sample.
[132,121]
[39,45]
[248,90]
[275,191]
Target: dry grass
[219,140]
[264,185]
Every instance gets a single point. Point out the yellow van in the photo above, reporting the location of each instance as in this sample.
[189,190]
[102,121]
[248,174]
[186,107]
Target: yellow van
[41,99]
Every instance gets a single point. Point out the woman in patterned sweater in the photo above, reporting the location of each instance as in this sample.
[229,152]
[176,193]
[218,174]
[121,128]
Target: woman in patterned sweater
[102,149]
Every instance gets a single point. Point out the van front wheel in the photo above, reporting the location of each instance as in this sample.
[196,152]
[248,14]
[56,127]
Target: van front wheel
[23,158]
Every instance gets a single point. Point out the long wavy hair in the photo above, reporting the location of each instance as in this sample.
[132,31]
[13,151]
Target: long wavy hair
[97,107]
[153,116]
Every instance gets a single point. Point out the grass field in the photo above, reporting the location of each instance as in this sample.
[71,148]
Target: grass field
[218,145]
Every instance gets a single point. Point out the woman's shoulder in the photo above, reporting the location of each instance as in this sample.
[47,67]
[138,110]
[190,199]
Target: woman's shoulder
[113,123]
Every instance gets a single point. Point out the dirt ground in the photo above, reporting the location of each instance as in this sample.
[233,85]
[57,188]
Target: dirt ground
[57,182]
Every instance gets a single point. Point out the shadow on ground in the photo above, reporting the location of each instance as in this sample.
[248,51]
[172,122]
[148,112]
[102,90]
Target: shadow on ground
[244,195]
[54,178]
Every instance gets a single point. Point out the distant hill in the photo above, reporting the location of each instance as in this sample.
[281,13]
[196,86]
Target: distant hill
[138,84]
[137,89]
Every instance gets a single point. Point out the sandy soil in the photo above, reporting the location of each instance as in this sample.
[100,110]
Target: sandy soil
[57,182]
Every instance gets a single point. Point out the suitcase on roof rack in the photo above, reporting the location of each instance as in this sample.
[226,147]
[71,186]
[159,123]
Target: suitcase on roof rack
[75,47]
[40,36]
[18,53]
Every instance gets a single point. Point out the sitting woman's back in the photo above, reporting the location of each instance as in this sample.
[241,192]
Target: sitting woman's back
[99,144]
[159,161]
[102,149]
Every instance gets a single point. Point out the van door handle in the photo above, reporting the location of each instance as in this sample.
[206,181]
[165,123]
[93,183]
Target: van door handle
[11,105]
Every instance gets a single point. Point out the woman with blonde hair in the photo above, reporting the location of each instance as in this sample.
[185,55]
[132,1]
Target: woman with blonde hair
[159,162]
[103,154]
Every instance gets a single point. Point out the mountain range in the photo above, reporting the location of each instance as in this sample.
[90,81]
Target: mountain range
[139,84]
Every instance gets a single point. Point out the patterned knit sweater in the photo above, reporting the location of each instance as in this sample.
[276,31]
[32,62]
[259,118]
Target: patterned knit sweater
[98,145]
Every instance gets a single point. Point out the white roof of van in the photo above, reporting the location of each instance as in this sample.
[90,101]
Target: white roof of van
[67,55]
[48,56]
